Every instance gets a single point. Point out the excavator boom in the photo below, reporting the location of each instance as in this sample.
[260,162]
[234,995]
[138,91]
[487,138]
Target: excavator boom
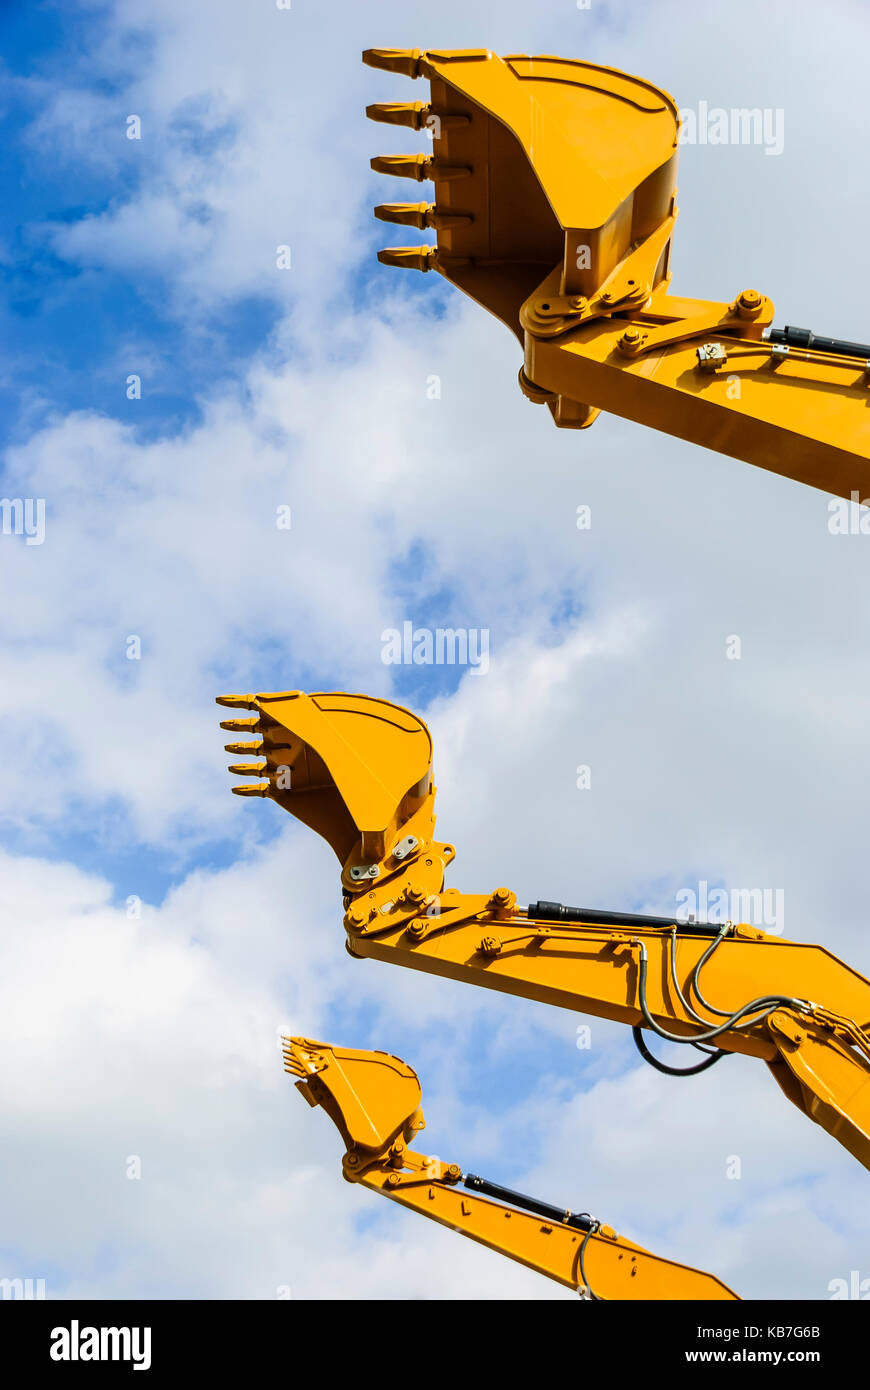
[374,1100]
[366,764]
[554,207]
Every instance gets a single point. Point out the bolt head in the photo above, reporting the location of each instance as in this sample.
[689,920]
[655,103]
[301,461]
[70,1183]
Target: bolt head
[749,303]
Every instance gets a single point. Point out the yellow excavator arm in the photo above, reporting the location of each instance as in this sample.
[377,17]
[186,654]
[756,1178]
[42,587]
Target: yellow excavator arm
[374,1100]
[358,770]
[554,207]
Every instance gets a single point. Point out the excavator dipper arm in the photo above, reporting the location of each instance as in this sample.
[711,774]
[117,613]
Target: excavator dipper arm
[374,1100]
[359,771]
[554,208]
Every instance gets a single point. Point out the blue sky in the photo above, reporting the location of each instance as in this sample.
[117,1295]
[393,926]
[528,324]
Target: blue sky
[66,322]
[309,389]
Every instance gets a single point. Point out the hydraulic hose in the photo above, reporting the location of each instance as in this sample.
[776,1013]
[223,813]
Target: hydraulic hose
[713,1057]
[764,1006]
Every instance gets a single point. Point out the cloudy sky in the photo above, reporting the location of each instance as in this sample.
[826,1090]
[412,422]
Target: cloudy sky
[156,1035]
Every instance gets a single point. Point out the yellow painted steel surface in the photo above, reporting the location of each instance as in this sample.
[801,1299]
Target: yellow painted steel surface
[374,1100]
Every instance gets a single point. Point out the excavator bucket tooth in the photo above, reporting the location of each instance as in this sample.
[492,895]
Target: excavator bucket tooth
[240,726]
[372,1097]
[406,214]
[415,115]
[409,257]
[403,60]
[568,166]
[404,166]
[405,113]
[250,746]
[420,167]
[420,215]
[237,701]
[352,767]
[247,769]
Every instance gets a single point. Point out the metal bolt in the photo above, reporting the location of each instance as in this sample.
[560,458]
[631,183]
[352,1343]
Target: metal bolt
[631,338]
[749,304]
[502,900]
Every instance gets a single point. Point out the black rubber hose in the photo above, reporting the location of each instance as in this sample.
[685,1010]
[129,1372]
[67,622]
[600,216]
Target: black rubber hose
[637,1034]
[596,1297]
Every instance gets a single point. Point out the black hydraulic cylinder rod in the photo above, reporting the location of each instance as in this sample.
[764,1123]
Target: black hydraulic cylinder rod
[558,912]
[581,1220]
[806,338]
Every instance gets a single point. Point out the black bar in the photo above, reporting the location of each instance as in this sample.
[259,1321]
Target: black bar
[558,912]
[228,1339]
[806,338]
[581,1221]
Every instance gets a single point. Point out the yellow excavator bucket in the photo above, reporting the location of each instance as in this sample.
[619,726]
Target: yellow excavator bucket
[352,767]
[537,163]
[371,1097]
